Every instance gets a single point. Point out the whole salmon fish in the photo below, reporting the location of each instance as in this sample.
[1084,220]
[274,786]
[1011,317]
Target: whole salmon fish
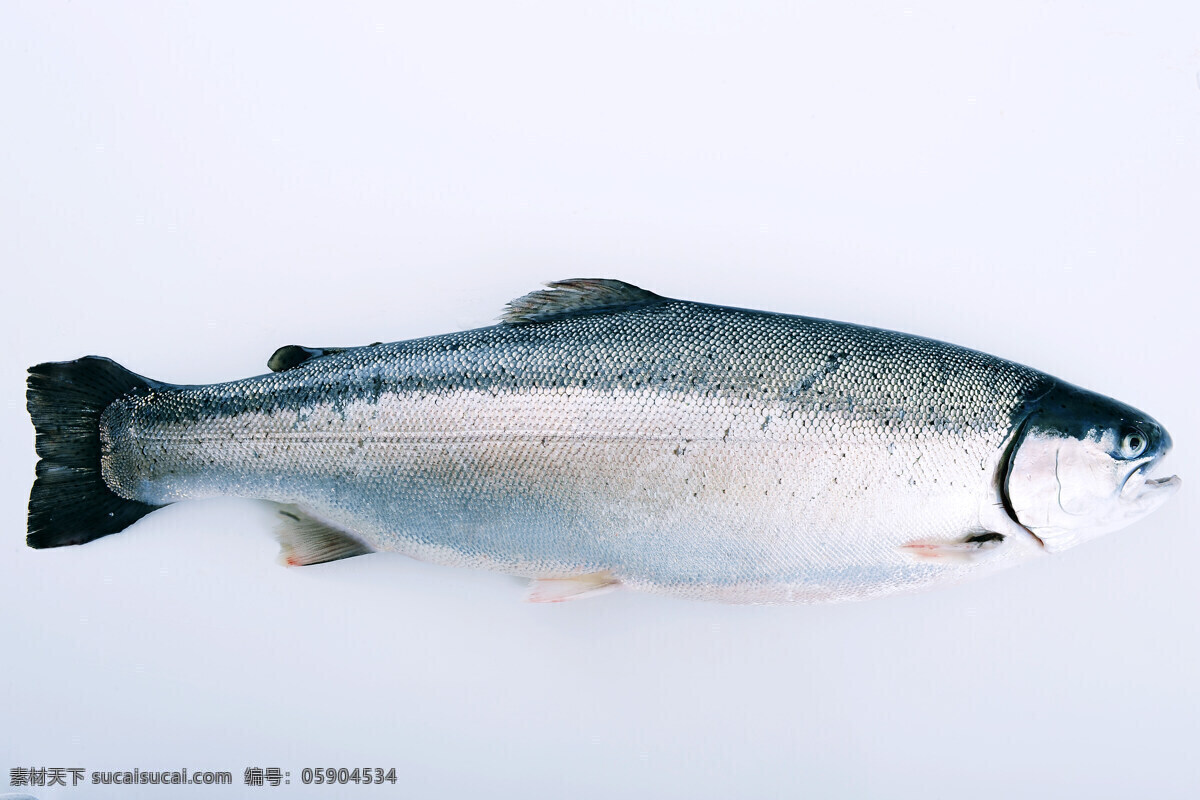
[602,435]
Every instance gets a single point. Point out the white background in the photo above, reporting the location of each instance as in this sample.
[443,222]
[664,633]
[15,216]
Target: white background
[186,187]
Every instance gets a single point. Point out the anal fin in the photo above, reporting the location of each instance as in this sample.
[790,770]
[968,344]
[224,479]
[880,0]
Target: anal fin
[964,551]
[304,540]
[557,590]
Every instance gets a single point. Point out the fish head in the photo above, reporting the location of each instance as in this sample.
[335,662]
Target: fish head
[1082,465]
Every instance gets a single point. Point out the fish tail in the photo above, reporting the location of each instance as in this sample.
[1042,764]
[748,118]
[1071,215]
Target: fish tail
[70,502]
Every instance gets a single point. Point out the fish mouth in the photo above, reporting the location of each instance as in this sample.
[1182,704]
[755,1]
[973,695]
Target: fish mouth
[1144,489]
[1170,483]
[1140,483]
[1173,481]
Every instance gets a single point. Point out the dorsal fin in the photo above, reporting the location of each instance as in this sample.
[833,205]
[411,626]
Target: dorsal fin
[291,356]
[563,299]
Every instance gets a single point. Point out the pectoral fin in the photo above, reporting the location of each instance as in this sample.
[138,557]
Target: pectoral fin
[556,590]
[304,540]
[964,551]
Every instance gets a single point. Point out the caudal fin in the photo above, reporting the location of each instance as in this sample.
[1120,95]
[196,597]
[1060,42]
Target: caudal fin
[70,503]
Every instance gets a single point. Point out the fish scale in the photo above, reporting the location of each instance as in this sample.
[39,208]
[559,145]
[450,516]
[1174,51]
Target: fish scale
[686,448]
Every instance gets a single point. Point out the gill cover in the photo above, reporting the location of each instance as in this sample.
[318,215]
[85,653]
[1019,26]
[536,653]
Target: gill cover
[1082,467]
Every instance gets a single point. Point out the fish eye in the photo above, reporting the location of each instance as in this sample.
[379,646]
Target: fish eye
[1133,444]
